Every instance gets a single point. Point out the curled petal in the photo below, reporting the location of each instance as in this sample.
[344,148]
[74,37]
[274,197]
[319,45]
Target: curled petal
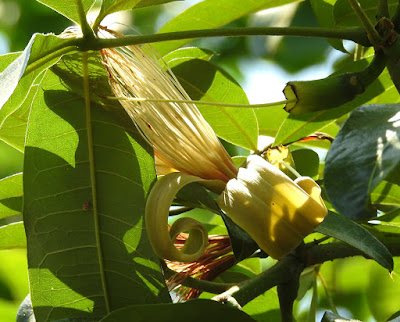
[157,210]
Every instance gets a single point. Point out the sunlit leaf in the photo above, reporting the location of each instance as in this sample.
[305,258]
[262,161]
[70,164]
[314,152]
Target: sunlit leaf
[68,8]
[386,193]
[88,252]
[181,55]
[12,236]
[365,151]
[357,236]
[189,311]
[212,14]
[11,196]
[147,3]
[207,82]
[14,114]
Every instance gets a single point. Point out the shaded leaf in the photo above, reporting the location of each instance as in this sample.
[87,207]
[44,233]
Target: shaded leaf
[307,162]
[211,14]
[88,252]
[181,55]
[205,81]
[147,3]
[11,196]
[386,193]
[111,6]
[14,114]
[364,152]
[344,14]
[348,231]
[333,317]
[12,236]
[194,310]
[68,8]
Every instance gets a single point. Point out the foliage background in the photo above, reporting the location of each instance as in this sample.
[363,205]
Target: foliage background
[362,287]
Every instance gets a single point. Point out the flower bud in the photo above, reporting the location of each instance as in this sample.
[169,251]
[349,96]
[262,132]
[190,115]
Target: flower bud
[274,210]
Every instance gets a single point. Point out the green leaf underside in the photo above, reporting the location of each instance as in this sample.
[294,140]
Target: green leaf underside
[11,196]
[211,14]
[14,114]
[344,14]
[12,236]
[68,8]
[182,55]
[298,126]
[71,272]
[205,81]
[194,310]
[364,152]
[355,235]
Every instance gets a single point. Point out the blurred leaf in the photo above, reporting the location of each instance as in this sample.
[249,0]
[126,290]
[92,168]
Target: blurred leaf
[383,291]
[211,14]
[14,114]
[86,244]
[364,152]
[264,307]
[307,279]
[181,55]
[344,14]
[111,6]
[333,317]
[11,196]
[147,3]
[323,10]
[348,231]
[12,236]
[386,193]
[298,126]
[307,162]
[68,8]
[193,310]
[296,53]
[25,311]
[205,81]
[389,223]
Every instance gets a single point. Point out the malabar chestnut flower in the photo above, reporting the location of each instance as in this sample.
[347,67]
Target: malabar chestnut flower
[276,211]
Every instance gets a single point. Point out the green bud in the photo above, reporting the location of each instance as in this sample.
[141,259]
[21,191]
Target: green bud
[333,91]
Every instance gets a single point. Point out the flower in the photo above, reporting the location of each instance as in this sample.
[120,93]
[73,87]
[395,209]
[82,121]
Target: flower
[276,211]
[180,136]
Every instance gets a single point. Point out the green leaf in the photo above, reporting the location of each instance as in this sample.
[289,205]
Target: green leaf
[307,162]
[323,10]
[333,317]
[299,126]
[205,81]
[194,310]
[211,14]
[365,151]
[12,236]
[14,114]
[348,231]
[270,119]
[386,193]
[68,8]
[11,196]
[111,6]
[344,14]
[148,3]
[11,75]
[182,55]
[88,251]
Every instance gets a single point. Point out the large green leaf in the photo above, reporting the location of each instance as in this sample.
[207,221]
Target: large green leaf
[357,236]
[212,14]
[68,8]
[386,193]
[88,251]
[14,114]
[12,236]
[205,81]
[298,126]
[364,152]
[270,119]
[11,196]
[344,14]
[194,310]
